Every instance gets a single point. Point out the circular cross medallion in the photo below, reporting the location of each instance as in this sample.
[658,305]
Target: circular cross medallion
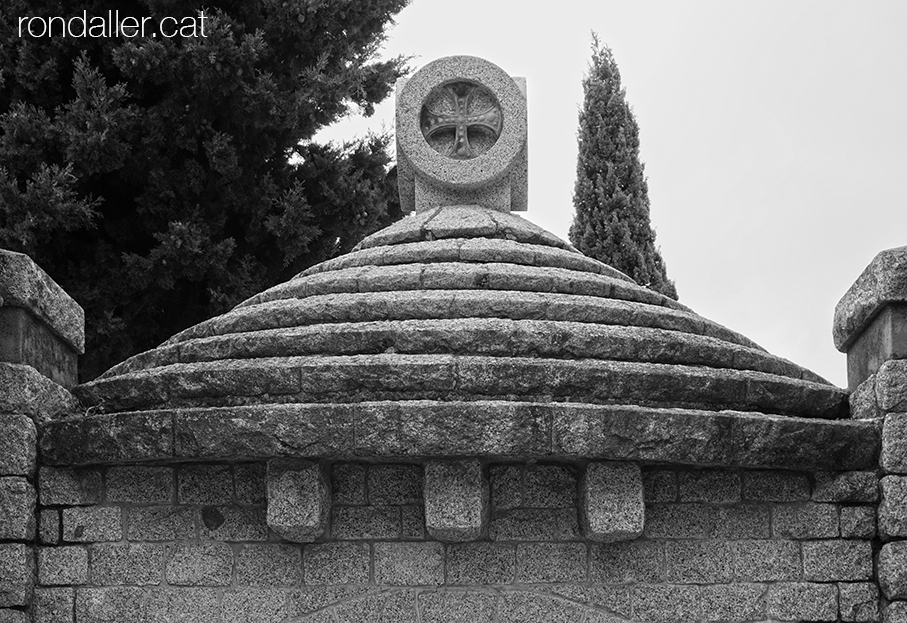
[461,120]
[461,123]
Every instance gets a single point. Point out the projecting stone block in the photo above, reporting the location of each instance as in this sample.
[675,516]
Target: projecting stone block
[456,500]
[611,505]
[892,570]
[298,499]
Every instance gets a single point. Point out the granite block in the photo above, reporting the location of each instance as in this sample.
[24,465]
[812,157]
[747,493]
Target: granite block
[205,484]
[18,445]
[17,509]
[209,563]
[336,563]
[298,499]
[86,524]
[551,562]
[409,564]
[481,563]
[612,507]
[62,565]
[72,487]
[456,500]
[761,486]
[709,486]
[140,484]
[269,565]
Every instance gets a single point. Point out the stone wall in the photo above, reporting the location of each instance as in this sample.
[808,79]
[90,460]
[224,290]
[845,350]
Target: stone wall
[41,333]
[191,543]
[26,399]
[476,540]
[871,327]
[18,442]
[883,396]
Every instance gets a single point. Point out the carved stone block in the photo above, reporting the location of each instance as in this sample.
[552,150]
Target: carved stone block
[611,501]
[461,136]
[456,500]
[298,501]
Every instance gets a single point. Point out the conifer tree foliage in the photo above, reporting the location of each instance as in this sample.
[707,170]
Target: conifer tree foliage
[611,197]
[162,180]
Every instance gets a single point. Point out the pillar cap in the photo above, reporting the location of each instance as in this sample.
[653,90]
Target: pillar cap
[24,284]
[882,283]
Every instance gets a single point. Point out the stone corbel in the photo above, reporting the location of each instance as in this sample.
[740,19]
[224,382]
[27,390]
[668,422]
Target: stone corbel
[611,501]
[456,500]
[298,499]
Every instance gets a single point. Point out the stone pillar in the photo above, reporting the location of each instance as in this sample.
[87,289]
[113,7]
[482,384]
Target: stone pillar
[871,319]
[41,335]
[871,327]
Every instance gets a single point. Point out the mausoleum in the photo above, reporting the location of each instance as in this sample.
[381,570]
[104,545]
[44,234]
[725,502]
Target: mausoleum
[464,420]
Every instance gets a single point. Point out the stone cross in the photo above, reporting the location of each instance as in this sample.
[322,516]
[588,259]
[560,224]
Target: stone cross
[461,136]
[461,120]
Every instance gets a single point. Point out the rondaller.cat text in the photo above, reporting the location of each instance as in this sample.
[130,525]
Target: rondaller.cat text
[112,25]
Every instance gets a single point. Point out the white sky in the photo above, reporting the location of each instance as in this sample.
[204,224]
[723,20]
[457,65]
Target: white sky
[774,135]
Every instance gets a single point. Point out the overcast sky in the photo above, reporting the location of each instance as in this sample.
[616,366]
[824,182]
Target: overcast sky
[774,135]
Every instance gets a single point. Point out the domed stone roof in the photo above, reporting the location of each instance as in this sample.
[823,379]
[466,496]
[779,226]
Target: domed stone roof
[464,331]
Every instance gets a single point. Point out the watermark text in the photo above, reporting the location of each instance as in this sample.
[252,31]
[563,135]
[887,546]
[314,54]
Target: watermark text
[113,25]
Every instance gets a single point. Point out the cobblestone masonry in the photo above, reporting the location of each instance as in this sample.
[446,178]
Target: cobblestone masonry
[190,543]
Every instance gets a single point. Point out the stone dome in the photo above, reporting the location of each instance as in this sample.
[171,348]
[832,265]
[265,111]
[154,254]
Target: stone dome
[466,331]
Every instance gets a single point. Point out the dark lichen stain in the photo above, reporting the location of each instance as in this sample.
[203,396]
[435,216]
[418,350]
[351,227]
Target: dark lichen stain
[212,518]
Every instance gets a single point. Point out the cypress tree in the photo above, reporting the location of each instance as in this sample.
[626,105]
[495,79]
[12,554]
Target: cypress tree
[611,223]
[161,180]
